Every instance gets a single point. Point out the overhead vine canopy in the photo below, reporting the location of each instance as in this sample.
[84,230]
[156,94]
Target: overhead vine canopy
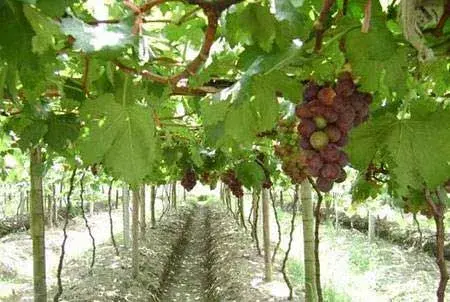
[147,87]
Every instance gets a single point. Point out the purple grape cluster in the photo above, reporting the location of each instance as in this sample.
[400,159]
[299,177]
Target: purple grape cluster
[327,114]
[189,180]
[230,179]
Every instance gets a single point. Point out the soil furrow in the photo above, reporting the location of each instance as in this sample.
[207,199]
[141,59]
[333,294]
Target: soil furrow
[187,273]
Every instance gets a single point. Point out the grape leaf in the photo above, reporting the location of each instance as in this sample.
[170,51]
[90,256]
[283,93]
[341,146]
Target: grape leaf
[29,131]
[46,30]
[54,8]
[121,136]
[62,130]
[90,38]
[362,189]
[251,24]
[416,149]
[378,60]
[250,174]
[439,73]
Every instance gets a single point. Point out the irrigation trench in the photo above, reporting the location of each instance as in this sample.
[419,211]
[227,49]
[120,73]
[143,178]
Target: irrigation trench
[186,277]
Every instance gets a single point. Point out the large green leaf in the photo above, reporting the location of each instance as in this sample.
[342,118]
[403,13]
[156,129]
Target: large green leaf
[46,30]
[416,149]
[90,38]
[250,174]
[54,8]
[62,130]
[120,135]
[251,24]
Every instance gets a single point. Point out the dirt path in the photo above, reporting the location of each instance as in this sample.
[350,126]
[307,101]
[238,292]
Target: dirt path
[186,281]
[16,269]
[365,271]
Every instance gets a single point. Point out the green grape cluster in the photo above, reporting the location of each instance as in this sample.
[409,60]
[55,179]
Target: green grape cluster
[293,159]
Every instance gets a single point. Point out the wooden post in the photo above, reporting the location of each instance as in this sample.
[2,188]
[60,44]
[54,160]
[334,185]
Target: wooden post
[37,225]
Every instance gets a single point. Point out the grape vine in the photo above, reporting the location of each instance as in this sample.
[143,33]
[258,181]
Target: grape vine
[327,114]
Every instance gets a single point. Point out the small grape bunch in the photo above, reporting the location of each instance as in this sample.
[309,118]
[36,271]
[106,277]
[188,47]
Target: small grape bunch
[189,180]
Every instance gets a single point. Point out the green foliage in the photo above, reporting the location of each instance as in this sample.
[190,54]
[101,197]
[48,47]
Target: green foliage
[244,25]
[415,149]
[250,174]
[363,189]
[121,136]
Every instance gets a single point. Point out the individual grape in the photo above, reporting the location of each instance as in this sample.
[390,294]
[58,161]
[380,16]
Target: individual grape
[303,112]
[317,110]
[343,159]
[345,87]
[304,144]
[342,176]
[347,113]
[311,91]
[356,102]
[330,153]
[315,161]
[333,132]
[330,115]
[326,95]
[330,171]
[339,102]
[319,140]
[344,125]
[342,141]
[324,184]
[320,122]
[306,127]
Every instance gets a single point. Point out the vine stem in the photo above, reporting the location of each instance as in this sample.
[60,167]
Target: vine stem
[63,245]
[240,201]
[317,239]
[418,228]
[111,228]
[85,84]
[438,215]
[249,220]
[255,222]
[277,220]
[446,14]
[286,254]
[367,16]
[319,26]
[86,223]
